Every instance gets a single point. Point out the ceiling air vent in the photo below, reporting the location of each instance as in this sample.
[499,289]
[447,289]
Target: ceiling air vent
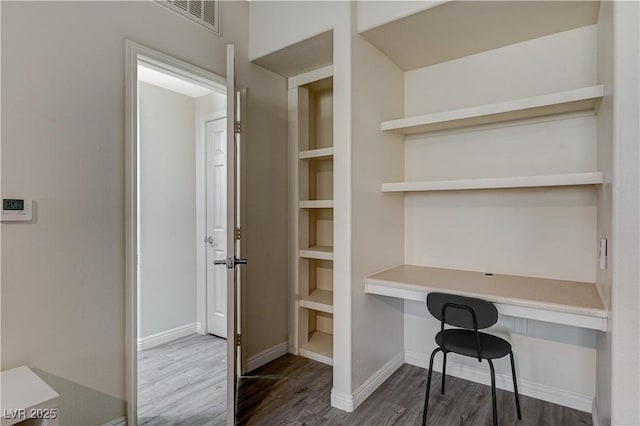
[204,12]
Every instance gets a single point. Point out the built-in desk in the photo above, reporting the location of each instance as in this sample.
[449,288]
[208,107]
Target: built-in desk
[563,302]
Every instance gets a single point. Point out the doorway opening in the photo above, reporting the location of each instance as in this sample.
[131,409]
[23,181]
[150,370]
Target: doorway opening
[177,371]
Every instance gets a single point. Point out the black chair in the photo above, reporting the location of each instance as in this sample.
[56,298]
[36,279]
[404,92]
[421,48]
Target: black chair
[470,315]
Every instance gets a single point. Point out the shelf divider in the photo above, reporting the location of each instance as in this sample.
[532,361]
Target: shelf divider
[319,347]
[319,300]
[316,154]
[316,204]
[317,252]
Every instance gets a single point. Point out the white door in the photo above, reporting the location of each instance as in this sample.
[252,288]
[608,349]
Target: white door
[232,245]
[216,175]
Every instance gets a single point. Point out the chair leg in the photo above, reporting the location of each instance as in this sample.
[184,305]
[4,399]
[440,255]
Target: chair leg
[444,370]
[493,393]
[426,397]
[515,385]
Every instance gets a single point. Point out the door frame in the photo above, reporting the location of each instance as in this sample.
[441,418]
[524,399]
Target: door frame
[135,52]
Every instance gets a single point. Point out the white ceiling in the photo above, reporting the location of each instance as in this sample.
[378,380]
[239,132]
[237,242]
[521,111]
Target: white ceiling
[169,82]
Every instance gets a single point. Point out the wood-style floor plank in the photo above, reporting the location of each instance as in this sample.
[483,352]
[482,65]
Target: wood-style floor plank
[184,383]
[296,391]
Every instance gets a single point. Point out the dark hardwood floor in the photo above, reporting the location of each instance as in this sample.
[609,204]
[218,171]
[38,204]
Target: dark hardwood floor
[183,383]
[296,391]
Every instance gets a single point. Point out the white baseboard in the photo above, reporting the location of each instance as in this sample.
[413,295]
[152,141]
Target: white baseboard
[342,401]
[349,403]
[547,393]
[120,421]
[166,336]
[595,416]
[266,356]
[200,329]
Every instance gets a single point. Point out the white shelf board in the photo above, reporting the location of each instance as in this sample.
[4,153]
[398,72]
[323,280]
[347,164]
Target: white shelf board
[317,252]
[572,179]
[316,154]
[316,204]
[563,302]
[319,300]
[319,347]
[584,99]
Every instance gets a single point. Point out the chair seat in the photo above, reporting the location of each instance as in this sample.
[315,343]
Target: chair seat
[463,342]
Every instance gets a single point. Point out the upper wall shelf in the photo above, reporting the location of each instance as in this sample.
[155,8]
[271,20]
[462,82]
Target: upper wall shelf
[584,99]
[572,179]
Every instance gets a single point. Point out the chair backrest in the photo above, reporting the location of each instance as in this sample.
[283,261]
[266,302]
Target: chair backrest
[486,312]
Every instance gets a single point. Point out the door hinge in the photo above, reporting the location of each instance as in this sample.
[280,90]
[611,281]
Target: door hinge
[237,340]
[237,234]
[236,127]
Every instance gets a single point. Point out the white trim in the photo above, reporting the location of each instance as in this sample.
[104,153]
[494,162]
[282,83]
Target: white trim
[341,401]
[595,416]
[266,356]
[349,402]
[200,329]
[566,398]
[166,336]
[120,421]
[378,378]
[133,53]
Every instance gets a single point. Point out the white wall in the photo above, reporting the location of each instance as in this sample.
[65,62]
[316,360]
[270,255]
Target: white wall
[539,232]
[279,24]
[625,247]
[63,80]
[167,138]
[605,204]
[377,222]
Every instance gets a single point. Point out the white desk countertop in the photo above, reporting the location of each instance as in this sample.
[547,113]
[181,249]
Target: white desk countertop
[23,389]
[563,302]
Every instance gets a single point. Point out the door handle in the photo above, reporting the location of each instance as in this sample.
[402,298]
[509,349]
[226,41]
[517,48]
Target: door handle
[231,262]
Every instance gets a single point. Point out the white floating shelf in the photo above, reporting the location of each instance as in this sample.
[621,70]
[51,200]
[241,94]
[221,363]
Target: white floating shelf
[593,178]
[319,347]
[317,252]
[316,154]
[585,99]
[562,302]
[319,300]
[316,204]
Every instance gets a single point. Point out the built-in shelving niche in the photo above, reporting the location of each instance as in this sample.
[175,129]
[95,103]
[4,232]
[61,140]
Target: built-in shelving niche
[313,116]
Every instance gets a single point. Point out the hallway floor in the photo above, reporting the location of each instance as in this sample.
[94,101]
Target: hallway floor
[183,382]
